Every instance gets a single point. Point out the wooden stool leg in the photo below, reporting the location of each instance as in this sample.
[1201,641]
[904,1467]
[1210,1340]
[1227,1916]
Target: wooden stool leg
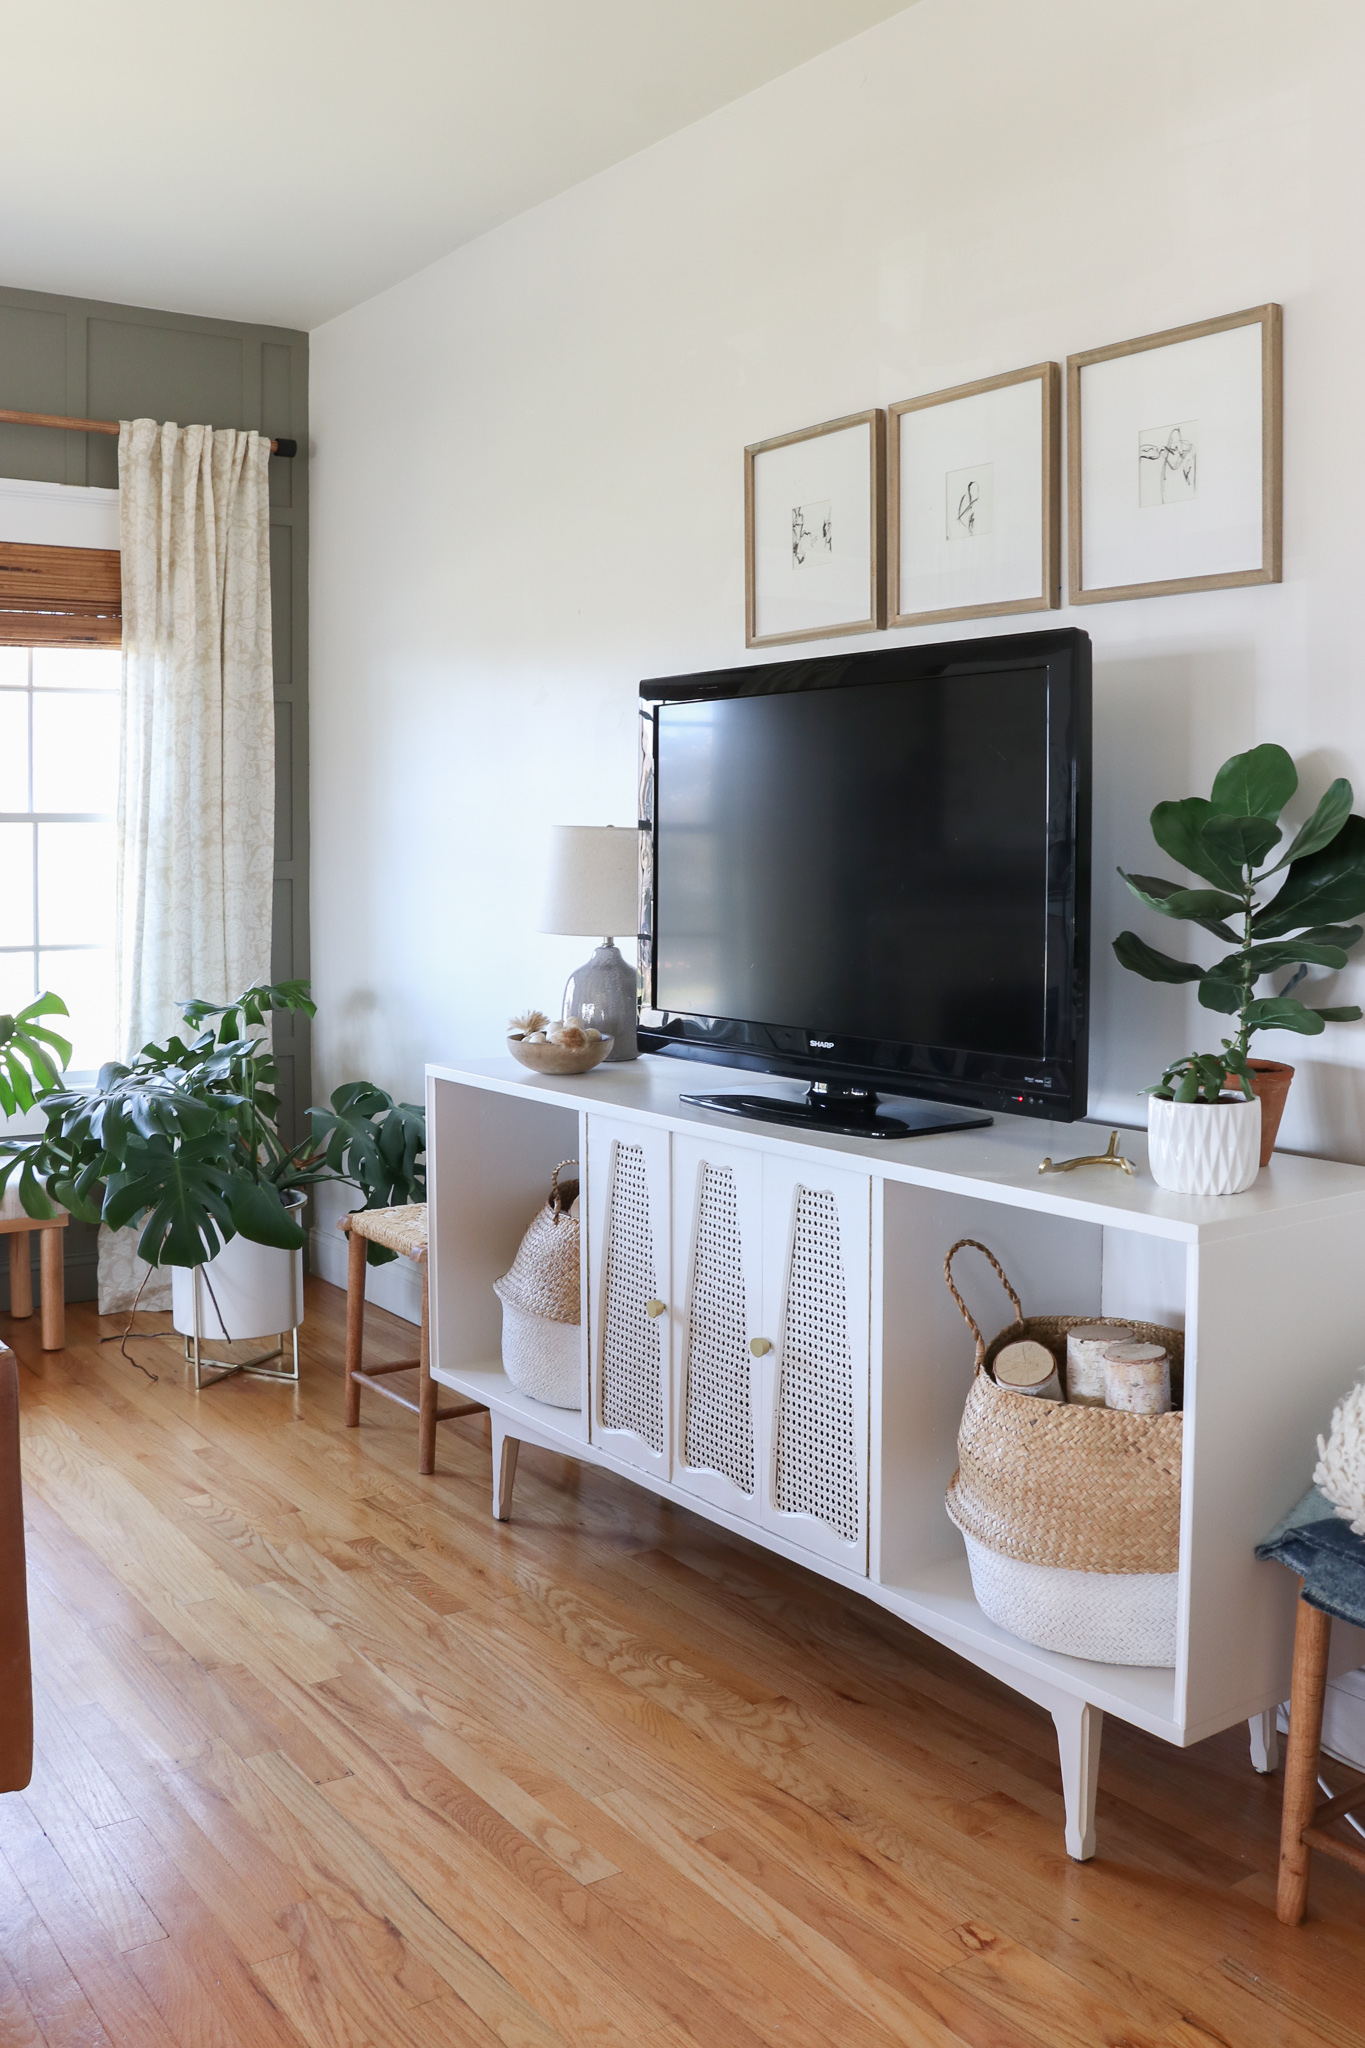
[52,1269]
[20,1276]
[426,1420]
[1312,1635]
[355,1322]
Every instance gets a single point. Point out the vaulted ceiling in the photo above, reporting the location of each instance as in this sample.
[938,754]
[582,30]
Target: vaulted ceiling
[281,160]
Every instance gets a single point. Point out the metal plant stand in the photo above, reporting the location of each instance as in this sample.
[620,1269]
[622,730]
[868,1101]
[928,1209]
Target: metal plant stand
[260,1368]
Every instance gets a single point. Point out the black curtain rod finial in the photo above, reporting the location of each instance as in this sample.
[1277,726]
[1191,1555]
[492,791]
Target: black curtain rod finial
[285,448]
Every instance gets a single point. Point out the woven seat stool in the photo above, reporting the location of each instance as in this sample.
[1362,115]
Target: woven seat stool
[403,1231]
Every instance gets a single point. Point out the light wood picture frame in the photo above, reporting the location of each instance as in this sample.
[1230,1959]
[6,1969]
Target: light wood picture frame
[1215,431]
[815,506]
[974,499]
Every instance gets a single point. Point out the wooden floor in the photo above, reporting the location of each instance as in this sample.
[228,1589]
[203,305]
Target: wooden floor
[326,1756]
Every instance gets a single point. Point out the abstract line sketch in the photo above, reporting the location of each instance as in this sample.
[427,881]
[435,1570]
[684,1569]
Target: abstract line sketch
[969,502]
[812,533]
[1168,459]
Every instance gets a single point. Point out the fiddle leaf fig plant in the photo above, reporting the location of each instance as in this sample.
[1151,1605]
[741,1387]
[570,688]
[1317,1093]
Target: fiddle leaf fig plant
[1224,839]
[185,1141]
[1204,1076]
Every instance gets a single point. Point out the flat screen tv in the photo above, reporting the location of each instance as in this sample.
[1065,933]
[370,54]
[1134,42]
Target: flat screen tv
[871,873]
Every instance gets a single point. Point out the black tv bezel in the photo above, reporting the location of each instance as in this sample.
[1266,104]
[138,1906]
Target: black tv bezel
[1053,1087]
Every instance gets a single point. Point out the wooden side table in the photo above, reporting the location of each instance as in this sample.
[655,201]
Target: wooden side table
[17,1227]
[1304,1825]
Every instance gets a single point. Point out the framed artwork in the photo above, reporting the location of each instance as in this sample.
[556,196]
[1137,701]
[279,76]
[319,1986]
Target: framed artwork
[1174,446]
[974,499]
[814,532]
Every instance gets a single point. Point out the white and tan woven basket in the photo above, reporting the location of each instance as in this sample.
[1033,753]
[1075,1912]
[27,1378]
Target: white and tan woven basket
[1049,1495]
[541,1330]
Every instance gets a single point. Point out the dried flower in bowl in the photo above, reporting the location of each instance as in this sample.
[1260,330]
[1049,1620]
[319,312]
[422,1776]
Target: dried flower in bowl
[524,1026]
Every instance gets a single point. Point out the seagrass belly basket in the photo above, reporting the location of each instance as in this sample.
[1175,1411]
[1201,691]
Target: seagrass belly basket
[1070,1514]
[541,1330]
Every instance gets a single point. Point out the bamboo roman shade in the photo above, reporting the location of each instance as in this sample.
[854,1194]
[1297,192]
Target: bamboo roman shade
[59,597]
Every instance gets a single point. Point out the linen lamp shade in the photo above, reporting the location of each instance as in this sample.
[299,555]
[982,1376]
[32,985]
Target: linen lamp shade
[594,881]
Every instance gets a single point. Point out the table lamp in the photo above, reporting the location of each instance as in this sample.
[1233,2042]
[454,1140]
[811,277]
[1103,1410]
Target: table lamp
[594,889]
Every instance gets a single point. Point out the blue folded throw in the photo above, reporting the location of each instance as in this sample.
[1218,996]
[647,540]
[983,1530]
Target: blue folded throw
[1316,1543]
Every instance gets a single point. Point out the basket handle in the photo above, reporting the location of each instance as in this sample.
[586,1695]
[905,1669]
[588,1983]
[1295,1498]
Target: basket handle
[976,1245]
[556,1205]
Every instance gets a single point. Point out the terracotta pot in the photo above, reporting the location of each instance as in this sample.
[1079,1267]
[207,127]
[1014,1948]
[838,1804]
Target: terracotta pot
[1271,1079]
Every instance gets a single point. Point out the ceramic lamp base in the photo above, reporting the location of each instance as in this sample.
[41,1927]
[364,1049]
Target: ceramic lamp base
[602,992]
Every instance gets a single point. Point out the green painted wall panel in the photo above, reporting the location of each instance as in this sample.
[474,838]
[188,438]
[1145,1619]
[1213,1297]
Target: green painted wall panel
[101,361]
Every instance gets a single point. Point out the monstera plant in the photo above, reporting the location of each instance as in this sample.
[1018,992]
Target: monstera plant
[185,1141]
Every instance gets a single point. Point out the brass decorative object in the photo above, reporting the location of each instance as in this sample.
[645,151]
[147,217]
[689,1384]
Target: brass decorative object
[1111,1157]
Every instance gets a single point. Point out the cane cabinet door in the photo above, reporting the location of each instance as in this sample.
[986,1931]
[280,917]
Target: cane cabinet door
[717,1237]
[629,1297]
[817,1269]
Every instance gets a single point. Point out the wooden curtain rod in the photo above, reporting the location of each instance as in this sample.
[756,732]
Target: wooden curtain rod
[54,419]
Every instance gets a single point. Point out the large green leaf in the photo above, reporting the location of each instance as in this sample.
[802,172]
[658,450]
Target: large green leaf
[1324,886]
[28,1069]
[1342,1013]
[1245,841]
[1282,1013]
[1275,954]
[1322,828]
[1194,905]
[1256,784]
[259,1214]
[1217,993]
[1135,954]
[377,1143]
[1178,829]
[181,1192]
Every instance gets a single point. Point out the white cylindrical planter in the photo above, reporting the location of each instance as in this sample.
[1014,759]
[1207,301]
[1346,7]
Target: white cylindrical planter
[1204,1148]
[248,1291]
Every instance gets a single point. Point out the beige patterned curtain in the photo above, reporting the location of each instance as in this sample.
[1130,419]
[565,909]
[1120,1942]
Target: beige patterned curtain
[197,764]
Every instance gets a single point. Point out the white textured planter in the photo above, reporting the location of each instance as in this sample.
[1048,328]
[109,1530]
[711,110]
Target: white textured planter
[257,1291]
[1204,1148]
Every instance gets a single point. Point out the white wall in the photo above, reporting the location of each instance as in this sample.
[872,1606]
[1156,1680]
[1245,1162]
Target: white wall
[527,479]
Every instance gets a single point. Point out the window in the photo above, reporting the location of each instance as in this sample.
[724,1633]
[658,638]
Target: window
[59,749]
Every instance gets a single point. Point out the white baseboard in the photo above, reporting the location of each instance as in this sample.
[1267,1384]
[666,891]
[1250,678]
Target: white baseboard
[396,1286]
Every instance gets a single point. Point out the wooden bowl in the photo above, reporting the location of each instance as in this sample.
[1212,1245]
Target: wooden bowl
[548,1058]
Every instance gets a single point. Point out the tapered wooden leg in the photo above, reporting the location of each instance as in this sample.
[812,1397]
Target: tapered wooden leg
[52,1270]
[20,1276]
[1265,1742]
[1079,1730]
[355,1323]
[505,1449]
[1312,1637]
[426,1412]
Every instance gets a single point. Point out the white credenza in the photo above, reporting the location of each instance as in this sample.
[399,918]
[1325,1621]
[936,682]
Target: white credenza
[767,1339]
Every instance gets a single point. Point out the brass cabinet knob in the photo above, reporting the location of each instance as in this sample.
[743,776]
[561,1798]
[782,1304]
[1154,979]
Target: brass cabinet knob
[760,1346]
[654,1308]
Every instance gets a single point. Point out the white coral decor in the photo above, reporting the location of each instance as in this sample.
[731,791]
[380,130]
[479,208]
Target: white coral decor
[1341,1460]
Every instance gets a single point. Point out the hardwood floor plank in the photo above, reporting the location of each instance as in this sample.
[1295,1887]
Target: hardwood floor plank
[326,1758]
[475,1981]
[52,1995]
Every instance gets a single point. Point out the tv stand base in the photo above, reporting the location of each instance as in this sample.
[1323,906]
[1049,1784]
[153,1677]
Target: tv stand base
[853,1112]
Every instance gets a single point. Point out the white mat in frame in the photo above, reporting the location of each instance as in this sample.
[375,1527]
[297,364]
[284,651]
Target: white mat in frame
[1174,460]
[814,531]
[974,499]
